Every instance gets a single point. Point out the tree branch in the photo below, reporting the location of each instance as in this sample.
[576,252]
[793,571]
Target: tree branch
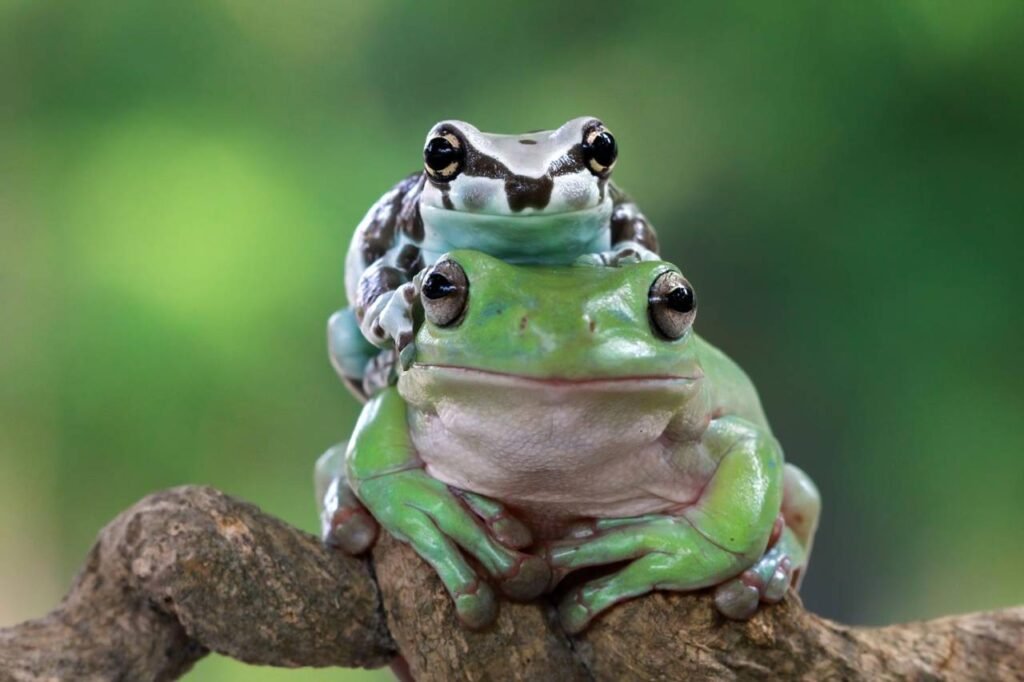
[191,570]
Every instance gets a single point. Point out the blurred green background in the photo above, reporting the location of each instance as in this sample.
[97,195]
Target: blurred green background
[841,181]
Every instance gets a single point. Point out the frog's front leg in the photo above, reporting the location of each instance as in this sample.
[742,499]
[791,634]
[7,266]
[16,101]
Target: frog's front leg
[344,522]
[388,477]
[715,538]
[632,236]
[620,254]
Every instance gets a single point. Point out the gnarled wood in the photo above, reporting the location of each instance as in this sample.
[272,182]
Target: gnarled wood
[191,570]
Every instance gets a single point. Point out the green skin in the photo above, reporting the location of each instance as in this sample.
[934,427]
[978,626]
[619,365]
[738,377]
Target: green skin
[552,428]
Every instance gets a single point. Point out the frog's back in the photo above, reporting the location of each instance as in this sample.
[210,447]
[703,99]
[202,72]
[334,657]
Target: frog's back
[393,218]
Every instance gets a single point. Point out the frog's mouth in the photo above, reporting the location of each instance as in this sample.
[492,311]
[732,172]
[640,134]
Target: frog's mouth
[540,239]
[475,375]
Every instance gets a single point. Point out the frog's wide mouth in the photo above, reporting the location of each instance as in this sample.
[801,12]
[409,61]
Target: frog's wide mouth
[480,375]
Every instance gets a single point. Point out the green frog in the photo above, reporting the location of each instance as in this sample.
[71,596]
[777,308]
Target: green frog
[558,418]
[544,197]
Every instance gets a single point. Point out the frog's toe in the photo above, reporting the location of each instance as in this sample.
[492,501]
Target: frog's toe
[624,257]
[505,528]
[737,600]
[528,579]
[592,259]
[777,584]
[352,530]
[476,606]
[573,613]
[510,532]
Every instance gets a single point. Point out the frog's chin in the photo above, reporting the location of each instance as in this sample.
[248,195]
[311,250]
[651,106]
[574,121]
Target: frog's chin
[542,238]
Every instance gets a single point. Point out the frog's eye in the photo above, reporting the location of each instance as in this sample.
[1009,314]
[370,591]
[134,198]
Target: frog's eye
[672,304]
[444,156]
[599,149]
[444,292]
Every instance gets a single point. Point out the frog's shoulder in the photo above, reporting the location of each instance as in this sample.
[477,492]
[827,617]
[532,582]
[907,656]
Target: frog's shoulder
[396,213]
[732,391]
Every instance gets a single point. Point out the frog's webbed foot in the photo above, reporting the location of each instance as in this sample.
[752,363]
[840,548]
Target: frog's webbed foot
[390,322]
[441,525]
[624,253]
[344,522]
[664,553]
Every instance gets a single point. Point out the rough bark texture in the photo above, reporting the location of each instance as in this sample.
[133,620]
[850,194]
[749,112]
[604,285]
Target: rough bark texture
[191,570]
[525,642]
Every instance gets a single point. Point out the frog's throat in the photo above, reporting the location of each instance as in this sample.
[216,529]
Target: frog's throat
[475,375]
[540,239]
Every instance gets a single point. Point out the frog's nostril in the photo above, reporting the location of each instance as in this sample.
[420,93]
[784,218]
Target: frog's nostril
[592,325]
[523,321]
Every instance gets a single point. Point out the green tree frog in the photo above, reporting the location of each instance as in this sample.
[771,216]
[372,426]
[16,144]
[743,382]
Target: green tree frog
[557,418]
[543,198]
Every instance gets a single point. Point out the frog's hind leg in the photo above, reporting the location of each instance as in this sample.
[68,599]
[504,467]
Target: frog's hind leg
[344,522]
[350,353]
[709,541]
[785,562]
[664,552]
[801,508]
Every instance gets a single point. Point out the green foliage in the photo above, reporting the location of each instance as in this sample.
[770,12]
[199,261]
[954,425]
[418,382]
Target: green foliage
[840,181]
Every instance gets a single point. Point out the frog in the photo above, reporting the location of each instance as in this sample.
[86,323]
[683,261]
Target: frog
[544,197]
[562,418]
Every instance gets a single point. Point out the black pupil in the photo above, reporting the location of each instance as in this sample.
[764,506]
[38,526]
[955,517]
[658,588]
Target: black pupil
[437,286]
[680,299]
[603,149]
[440,153]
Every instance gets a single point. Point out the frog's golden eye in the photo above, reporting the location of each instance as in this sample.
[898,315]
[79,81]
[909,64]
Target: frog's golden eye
[444,156]
[672,305]
[445,292]
[599,149]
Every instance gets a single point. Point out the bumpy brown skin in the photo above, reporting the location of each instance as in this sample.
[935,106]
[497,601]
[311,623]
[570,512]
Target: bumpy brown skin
[192,570]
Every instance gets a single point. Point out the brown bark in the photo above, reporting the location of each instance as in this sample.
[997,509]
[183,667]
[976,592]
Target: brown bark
[190,570]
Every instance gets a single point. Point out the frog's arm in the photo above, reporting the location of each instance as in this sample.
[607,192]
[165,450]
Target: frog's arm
[629,226]
[718,536]
[632,237]
[386,474]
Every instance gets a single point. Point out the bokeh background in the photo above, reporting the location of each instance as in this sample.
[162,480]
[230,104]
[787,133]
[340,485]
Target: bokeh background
[841,181]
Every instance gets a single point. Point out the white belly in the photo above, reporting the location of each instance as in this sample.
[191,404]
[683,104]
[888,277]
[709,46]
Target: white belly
[558,452]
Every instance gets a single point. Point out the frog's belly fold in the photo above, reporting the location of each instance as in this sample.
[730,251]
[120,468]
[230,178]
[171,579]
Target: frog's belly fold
[557,451]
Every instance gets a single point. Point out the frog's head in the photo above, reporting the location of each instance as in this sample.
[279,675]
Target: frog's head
[481,186]
[553,330]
